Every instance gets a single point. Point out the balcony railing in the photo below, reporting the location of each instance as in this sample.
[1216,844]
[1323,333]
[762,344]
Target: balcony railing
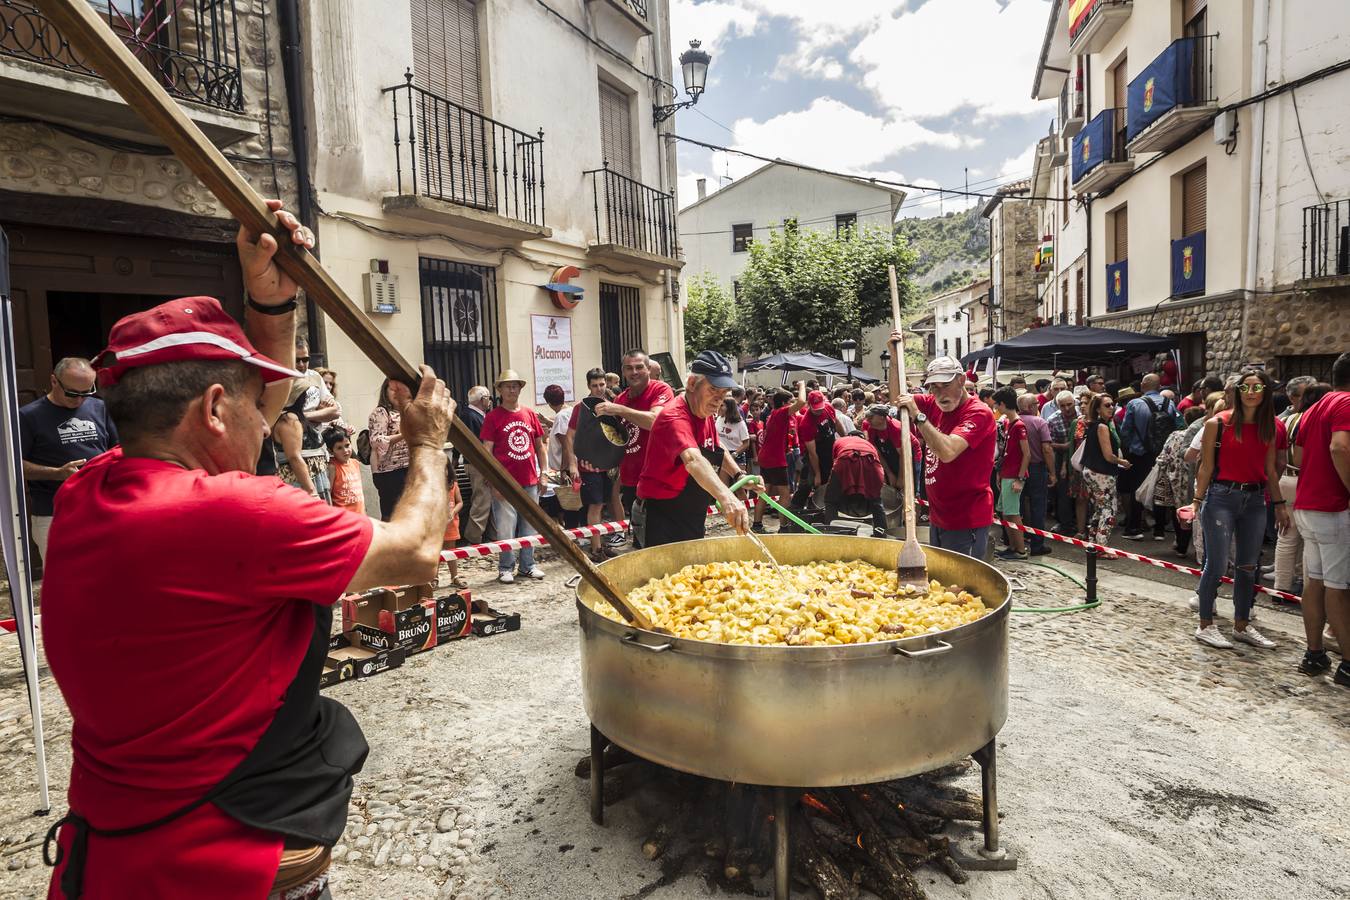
[190,46]
[1070,107]
[1095,24]
[1180,79]
[1326,240]
[639,7]
[448,152]
[630,214]
[1188,265]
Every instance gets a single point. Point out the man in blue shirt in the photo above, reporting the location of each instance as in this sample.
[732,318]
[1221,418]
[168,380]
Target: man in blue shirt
[60,432]
[1138,446]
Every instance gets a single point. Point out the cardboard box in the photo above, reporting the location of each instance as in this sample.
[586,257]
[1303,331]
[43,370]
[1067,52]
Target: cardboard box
[488,621]
[385,618]
[452,617]
[346,662]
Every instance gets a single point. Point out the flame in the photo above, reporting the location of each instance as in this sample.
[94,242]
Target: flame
[859,841]
[809,800]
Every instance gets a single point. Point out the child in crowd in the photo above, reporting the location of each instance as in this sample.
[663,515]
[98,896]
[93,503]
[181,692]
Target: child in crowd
[452,529]
[344,472]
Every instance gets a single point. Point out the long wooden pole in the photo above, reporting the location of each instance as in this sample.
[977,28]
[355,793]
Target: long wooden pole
[95,41]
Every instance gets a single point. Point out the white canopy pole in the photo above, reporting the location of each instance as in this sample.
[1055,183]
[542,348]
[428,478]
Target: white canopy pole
[14,522]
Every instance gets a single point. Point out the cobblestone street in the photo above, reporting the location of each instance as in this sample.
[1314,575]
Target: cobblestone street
[1134,763]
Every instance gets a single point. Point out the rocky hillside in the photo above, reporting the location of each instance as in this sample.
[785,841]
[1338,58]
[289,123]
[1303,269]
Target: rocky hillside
[953,249]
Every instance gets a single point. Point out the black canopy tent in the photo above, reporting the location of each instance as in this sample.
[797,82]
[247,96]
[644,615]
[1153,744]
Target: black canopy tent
[1071,346]
[810,362]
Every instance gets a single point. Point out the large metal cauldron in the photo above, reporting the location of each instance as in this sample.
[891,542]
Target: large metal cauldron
[797,716]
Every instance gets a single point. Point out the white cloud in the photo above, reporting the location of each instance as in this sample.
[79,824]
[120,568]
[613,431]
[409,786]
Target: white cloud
[710,22]
[954,54]
[834,135]
[1019,166]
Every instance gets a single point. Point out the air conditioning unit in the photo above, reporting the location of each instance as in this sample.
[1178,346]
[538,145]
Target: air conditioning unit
[381,288]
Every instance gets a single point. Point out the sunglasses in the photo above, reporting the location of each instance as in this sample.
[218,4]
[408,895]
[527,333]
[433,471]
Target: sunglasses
[302,359]
[1251,388]
[93,391]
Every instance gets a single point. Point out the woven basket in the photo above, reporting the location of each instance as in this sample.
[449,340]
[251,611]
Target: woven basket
[569,496]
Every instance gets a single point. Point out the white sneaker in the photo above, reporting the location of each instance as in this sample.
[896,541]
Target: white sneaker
[506,578]
[1269,576]
[536,573]
[1195,601]
[1213,637]
[1251,636]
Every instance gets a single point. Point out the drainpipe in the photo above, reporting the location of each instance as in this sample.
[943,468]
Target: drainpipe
[297,108]
[1087,261]
[1260,35]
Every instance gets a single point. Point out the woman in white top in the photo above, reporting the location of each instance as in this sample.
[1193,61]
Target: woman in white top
[732,432]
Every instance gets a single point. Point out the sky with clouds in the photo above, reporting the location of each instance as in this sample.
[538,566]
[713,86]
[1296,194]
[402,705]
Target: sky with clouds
[912,90]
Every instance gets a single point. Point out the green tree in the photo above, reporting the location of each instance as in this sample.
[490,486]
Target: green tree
[808,290]
[710,321]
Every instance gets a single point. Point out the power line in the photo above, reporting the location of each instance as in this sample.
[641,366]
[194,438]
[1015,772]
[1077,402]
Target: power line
[879,181]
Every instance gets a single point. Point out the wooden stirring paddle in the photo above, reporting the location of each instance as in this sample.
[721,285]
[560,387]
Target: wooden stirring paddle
[912,567]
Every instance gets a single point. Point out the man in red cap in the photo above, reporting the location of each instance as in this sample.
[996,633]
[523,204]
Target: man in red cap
[816,432]
[187,614]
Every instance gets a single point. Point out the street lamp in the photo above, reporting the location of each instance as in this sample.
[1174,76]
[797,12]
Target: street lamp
[848,351]
[885,365]
[694,68]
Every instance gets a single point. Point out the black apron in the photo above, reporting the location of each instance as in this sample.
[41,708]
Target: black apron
[296,781]
[683,517]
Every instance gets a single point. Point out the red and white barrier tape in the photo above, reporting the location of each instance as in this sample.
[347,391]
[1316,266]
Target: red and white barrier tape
[1125,554]
[492,548]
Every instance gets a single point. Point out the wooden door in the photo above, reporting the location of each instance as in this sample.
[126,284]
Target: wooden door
[71,286]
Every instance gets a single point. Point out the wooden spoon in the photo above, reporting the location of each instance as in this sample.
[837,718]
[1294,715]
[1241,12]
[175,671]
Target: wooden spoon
[911,570]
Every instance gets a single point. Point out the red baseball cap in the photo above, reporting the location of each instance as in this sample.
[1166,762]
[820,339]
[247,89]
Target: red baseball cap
[815,399]
[189,328]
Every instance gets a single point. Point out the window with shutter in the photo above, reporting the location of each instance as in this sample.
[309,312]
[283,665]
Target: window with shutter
[1121,247]
[1193,201]
[1120,92]
[445,50]
[741,236]
[616,130]
[1190,9]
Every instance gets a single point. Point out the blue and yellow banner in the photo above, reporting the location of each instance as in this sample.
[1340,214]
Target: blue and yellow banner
[1167,82]
[1118,285]
[1188,265]
[1090,145]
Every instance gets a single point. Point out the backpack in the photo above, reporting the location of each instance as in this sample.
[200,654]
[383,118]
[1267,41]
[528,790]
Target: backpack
[1161,423]
[363,446]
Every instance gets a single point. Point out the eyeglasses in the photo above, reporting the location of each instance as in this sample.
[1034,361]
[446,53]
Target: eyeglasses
[302,360]
[93,391]
[1251,388]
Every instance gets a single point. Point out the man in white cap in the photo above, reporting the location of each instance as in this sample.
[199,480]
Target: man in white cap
[959,432]
[513,433]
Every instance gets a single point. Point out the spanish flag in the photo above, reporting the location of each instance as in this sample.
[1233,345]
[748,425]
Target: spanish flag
[1079,10]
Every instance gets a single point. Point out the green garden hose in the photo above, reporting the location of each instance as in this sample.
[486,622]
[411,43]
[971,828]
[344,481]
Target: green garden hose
[1059,609]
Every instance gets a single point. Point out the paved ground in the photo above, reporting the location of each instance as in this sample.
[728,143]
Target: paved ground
[1135,763]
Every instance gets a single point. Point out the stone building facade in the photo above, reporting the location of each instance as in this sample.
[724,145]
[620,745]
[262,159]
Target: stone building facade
[1013,239]
[101,219]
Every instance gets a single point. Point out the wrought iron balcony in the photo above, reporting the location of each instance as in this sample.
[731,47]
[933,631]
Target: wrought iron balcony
[631,216]
[1173,96]
[454,155]
[1071,107]
[1096,23]
[1100,159]
[191,46]
[1326,240]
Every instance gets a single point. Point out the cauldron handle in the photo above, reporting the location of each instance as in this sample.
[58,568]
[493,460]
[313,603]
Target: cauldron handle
[631,639]
[942,647]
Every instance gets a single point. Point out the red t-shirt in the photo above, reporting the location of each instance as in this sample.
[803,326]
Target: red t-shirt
[1319,485]
[1185,403]
[513,434]
[676,429]
[176,610]
[959,491]
[1012,454]
[658,393]
[894,435]
[1245,460]
[774,446]
[808,426]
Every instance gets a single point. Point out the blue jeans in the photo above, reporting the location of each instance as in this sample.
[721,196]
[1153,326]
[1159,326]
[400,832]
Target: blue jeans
[968,541]
[1227,512]
[1035,494]
[508,523]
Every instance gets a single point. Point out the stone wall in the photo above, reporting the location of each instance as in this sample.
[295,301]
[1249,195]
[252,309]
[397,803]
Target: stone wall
[1018,294]
[1220,319]
[40,159]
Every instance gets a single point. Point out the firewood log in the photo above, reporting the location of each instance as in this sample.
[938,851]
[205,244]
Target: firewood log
[819,867]
[614,756]
[893,874]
